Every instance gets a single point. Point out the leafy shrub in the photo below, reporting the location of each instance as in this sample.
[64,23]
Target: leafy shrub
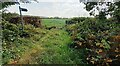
[11,40]
[95,36]
[33,20]
[10,31]
[8,16]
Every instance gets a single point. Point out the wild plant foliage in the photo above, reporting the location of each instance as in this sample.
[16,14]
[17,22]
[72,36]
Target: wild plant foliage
[100,39]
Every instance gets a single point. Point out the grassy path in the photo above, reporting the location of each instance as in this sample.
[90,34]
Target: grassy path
[50,46]
[48,49]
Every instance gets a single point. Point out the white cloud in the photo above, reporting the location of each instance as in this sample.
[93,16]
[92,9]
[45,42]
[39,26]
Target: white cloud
[61,9]
[58,0]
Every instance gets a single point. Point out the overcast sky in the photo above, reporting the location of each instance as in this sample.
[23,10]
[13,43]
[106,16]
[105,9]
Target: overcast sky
[60,8]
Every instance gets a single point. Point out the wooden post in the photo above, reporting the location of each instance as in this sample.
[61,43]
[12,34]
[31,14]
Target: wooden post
[22,23]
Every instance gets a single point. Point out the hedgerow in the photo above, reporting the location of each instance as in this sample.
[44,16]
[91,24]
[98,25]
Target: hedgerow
[11,41]
[100,39]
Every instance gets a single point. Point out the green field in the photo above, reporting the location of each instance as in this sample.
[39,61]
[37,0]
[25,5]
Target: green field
[53,22]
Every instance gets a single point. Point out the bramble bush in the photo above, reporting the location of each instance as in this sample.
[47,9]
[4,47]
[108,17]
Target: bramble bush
[100,39]
[11,40]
